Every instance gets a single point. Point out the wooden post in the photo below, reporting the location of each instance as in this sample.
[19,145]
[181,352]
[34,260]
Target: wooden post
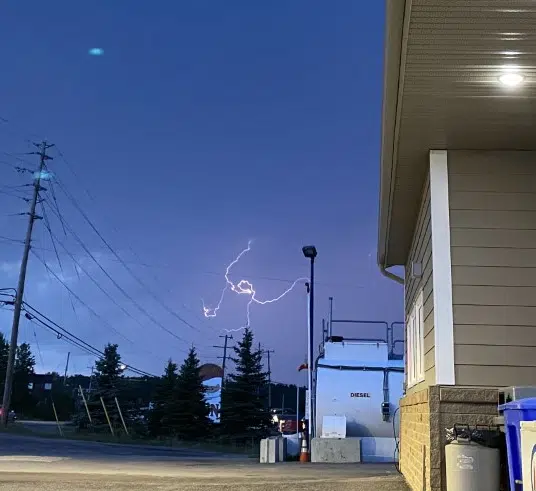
[85,404]
[57,420]
[107,417]
[121,416]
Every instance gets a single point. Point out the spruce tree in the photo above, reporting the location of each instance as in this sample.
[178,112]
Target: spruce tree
[163,402]
[189,412]
[4,352]
[108,374]
[24,369]
[244,405]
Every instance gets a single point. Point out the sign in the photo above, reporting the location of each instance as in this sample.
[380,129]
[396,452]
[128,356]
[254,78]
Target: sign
[307,415]
[211,378]
[359,394]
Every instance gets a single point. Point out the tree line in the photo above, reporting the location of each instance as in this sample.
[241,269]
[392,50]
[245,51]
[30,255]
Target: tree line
[178,405]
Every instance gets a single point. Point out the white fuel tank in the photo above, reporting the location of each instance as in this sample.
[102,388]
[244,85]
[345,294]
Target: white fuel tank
[354,380]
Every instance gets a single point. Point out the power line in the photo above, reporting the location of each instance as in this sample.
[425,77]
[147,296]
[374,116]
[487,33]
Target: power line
[40,259]
[62,332]
[121,289]
[101,288]
[124,264]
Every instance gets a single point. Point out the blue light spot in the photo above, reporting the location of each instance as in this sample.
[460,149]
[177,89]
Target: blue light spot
[96,51]
[44,175]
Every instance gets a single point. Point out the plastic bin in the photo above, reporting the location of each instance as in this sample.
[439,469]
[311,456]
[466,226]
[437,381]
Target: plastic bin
[528,454]
[514,413]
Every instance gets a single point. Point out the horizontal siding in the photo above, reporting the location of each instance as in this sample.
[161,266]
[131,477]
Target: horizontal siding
[494,375]
[421,252]
[491,238]
[493,276]
[472,334]
[493,250]
[494,296]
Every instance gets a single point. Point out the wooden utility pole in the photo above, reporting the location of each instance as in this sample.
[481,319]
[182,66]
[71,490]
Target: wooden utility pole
[268,351]
[66,368]
[6,401]
[224,357]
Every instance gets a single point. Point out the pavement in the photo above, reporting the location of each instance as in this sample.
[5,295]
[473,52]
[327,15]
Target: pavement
[41,464]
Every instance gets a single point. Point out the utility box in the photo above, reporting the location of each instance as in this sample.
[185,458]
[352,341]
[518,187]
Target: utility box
[528,455]
[334,427]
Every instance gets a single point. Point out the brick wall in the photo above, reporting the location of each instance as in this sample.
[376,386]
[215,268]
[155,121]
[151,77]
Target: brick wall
[415,439]
[424,416]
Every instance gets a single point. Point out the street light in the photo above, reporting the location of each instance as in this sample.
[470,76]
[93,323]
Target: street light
[310,253]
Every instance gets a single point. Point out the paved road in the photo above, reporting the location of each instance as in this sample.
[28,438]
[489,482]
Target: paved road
[37,464]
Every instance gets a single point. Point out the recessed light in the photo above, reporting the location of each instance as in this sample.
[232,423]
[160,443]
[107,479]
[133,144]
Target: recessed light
[511,79]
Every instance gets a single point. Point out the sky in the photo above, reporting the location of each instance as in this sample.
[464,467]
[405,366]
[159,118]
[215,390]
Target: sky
[202,125]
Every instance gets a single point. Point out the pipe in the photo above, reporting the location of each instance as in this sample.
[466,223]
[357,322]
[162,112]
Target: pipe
[391,276]
[330,327]
[362,368]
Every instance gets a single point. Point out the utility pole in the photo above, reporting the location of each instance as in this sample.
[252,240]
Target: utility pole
[6,401]
[268,351]
[66,368]
[91,377]
[224,357]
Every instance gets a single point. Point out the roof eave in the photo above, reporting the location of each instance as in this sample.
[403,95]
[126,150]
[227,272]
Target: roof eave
[396,11]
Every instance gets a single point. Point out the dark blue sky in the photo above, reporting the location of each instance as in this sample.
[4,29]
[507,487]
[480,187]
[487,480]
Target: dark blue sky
[203,125]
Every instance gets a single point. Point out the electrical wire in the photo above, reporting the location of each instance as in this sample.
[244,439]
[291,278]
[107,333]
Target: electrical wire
[123,263]
[102,289]
[13,195]
[9,239]
[121,289]
[63,333]
[95,314]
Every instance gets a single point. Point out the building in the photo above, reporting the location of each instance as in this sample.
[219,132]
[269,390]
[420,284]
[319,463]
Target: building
[458,211]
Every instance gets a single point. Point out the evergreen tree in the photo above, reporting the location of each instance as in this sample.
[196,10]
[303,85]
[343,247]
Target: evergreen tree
[163,401]
[4,352]
[107,379]
[22,400]
[244,400]
[189,412]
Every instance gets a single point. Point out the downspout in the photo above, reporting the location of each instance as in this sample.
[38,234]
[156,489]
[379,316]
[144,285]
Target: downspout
[400,281]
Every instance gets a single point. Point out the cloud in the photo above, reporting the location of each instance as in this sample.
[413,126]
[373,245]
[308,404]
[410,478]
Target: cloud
[10,268]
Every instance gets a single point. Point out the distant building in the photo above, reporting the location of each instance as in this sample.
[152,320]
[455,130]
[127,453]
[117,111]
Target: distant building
[40,384]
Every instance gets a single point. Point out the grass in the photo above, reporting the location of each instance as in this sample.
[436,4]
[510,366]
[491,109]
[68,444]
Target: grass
[70,433]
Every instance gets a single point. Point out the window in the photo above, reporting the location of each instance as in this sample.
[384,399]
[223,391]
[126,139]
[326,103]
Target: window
[415,343]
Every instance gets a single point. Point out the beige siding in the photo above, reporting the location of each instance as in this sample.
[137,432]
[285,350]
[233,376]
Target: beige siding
[421,252]
[493,246]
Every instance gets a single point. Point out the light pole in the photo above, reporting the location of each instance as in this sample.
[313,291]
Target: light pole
[310,253]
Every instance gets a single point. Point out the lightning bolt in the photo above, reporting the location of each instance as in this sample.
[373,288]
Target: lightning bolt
[244,287]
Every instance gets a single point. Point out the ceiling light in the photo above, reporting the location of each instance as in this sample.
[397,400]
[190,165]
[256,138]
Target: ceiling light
[511,79]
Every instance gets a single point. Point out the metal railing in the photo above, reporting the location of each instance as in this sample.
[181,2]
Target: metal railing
[389,335]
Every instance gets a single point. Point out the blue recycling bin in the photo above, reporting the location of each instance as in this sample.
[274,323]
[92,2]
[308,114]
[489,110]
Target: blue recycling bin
[514,413]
